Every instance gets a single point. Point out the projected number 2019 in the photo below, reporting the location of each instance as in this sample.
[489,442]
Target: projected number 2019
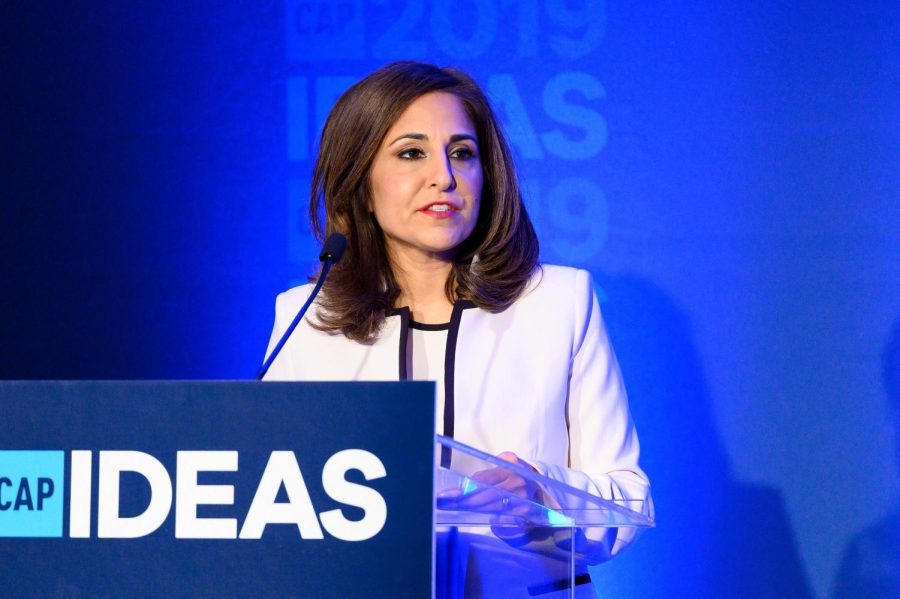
[568,32]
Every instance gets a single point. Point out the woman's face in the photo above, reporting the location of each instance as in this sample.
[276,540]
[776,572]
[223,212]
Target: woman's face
[426,178]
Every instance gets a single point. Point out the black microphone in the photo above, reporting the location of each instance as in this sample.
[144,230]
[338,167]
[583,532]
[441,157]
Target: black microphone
[332,250]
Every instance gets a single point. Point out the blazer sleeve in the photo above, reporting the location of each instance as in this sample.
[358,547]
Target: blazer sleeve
[603,443]
[282,368]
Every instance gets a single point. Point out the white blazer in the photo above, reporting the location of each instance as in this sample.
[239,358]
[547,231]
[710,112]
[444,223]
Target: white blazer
[539,379]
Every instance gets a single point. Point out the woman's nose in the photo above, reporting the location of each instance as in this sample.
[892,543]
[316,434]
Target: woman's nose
[442,174]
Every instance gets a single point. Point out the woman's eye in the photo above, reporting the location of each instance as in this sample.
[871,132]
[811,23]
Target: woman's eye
[462,153]
[411,154]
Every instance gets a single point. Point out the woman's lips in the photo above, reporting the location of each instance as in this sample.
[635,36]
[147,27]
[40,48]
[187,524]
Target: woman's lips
[439,209]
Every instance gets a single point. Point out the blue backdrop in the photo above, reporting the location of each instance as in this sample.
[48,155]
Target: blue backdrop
[728,173]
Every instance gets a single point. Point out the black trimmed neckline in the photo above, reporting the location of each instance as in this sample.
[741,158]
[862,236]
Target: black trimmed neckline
[406,315]
[424,326]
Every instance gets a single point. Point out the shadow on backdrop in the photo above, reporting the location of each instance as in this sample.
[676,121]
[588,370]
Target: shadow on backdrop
[715,536]
[870,567]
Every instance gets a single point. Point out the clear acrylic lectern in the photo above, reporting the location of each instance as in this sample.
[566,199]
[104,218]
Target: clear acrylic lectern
[536,541]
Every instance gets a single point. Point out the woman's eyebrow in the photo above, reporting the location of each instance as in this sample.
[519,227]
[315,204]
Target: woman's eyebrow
[461,136]
[422,137]
[419,136]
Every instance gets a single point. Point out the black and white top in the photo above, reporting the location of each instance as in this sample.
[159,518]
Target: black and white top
[539,379]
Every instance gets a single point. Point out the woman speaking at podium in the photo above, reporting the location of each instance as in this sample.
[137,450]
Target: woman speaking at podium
[440,281]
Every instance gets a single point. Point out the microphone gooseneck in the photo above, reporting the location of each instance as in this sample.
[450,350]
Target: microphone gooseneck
[332,250]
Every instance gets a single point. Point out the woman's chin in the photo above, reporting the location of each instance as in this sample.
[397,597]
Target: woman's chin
[444,248]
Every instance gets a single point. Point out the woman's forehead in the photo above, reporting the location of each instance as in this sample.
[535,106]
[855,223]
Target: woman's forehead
[435,113]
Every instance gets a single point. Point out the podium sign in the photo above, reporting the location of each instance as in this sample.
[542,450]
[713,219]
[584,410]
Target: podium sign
[216,489]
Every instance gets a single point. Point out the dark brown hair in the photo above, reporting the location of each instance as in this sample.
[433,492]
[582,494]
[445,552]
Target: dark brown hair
[361,288]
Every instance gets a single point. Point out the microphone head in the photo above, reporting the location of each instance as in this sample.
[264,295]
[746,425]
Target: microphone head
[333,248]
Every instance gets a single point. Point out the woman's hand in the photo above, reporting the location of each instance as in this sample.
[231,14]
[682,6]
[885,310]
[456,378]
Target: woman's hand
[508,481]
[519,531]
[496,490]
[513,500]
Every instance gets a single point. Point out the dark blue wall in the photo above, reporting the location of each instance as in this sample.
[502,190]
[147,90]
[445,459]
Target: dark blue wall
[729,174]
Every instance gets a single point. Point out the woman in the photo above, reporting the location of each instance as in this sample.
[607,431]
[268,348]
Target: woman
[440,281]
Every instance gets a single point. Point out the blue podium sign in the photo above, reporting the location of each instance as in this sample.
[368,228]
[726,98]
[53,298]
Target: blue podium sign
[220,489]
